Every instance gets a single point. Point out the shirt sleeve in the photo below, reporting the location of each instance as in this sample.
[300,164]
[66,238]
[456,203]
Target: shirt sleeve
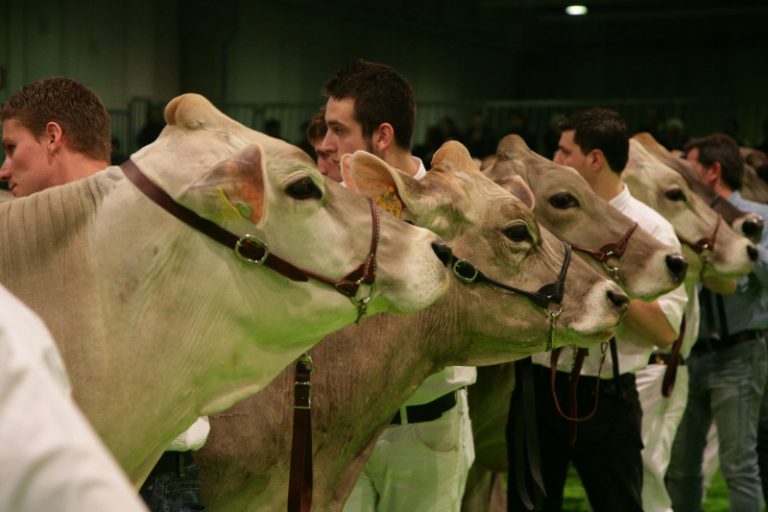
[50,457]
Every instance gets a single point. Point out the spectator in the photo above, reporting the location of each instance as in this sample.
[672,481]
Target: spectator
[272,128]
[479,138]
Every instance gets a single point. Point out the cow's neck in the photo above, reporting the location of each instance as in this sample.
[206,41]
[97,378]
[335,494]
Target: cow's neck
[371,371]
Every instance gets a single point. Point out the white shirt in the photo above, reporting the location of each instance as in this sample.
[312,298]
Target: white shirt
[633,352]
[50,457]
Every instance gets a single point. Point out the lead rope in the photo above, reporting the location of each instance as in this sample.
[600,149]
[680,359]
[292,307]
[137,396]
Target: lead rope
[575,371]
[523,440]
[670,374]
[300,480]
[521,431]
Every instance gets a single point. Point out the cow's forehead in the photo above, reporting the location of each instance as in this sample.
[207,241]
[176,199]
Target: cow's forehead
[656,171]
[477,197]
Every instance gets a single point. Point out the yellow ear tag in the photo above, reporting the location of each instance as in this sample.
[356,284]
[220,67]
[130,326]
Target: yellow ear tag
[228,210]
[389,201]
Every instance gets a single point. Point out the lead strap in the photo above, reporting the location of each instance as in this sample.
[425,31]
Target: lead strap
[300,480]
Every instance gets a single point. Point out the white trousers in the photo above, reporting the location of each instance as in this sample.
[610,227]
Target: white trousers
[661,417]
[418,466]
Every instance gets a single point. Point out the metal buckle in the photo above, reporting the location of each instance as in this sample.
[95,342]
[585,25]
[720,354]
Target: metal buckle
[253,240]
[613,270]
[465,264]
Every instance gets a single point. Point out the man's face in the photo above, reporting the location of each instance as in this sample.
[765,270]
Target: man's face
[569,153]
[325,161]
[344,135]
[27,166]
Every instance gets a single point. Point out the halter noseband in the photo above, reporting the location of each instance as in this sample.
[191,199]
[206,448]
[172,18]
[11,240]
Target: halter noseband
[705,246]
[610,250]
[252,250]
[467,272]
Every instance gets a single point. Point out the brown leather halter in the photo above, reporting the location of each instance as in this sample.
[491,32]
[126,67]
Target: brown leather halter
[705,246]
[252,250]
[610,250]
[604,254]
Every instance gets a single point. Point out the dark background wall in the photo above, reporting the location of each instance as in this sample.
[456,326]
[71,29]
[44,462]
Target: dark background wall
[703,61]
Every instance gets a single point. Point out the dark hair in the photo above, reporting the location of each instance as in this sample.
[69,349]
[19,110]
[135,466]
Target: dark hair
[316,127]
[721,148]
[381,95]
[603,129]
[80,113]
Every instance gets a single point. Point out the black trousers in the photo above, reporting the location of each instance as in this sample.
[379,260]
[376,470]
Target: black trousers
[607,451]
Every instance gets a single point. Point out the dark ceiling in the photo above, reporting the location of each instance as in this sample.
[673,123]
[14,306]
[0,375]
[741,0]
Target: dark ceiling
[515,24]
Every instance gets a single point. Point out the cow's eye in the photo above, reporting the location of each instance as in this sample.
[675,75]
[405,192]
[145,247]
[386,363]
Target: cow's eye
[675,194]
[304,188]
[563,200]
[517,233]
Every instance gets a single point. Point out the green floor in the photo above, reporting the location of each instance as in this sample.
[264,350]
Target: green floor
[575,500]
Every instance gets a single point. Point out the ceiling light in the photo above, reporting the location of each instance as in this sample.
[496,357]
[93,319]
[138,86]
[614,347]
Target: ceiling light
[576,10]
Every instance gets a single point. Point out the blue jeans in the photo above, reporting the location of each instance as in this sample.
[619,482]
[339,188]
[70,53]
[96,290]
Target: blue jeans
[726,386]
[173,485]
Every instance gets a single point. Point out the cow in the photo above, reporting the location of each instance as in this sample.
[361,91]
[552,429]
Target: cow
[732,255]
[748,224]
[568,207]
[363,374]
[160,323]
[754,186]
[712,247]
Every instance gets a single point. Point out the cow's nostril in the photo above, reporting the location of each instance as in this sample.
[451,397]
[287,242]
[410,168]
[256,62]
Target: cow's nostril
[677,265]
[443,252]
[752,228]
[619,299]
[752,252]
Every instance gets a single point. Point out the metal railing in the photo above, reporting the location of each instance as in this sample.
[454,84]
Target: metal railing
[700,116]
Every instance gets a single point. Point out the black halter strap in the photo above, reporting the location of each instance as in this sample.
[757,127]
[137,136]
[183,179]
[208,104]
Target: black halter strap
[466,271]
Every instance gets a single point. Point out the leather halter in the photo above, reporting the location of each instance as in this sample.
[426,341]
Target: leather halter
[250,249]
[300,476]
[467,272]
[705,245]
[610,250]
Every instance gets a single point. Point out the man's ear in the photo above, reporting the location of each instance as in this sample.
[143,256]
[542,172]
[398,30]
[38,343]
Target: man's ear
[715,173]
[383,138]
[53,136]
[596,159]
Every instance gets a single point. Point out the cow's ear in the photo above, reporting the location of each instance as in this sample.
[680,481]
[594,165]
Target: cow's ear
[510,146]
[517,186]
[390,188]
[454,156]
[190,111]
[233,189]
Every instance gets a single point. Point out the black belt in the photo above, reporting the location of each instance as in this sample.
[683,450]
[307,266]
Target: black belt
[704,345]
[663,358]
[173,462]
[427,412]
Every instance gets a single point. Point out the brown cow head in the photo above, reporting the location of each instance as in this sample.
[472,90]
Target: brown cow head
[748,224]
[497,232]
[567,206]
[667,192]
